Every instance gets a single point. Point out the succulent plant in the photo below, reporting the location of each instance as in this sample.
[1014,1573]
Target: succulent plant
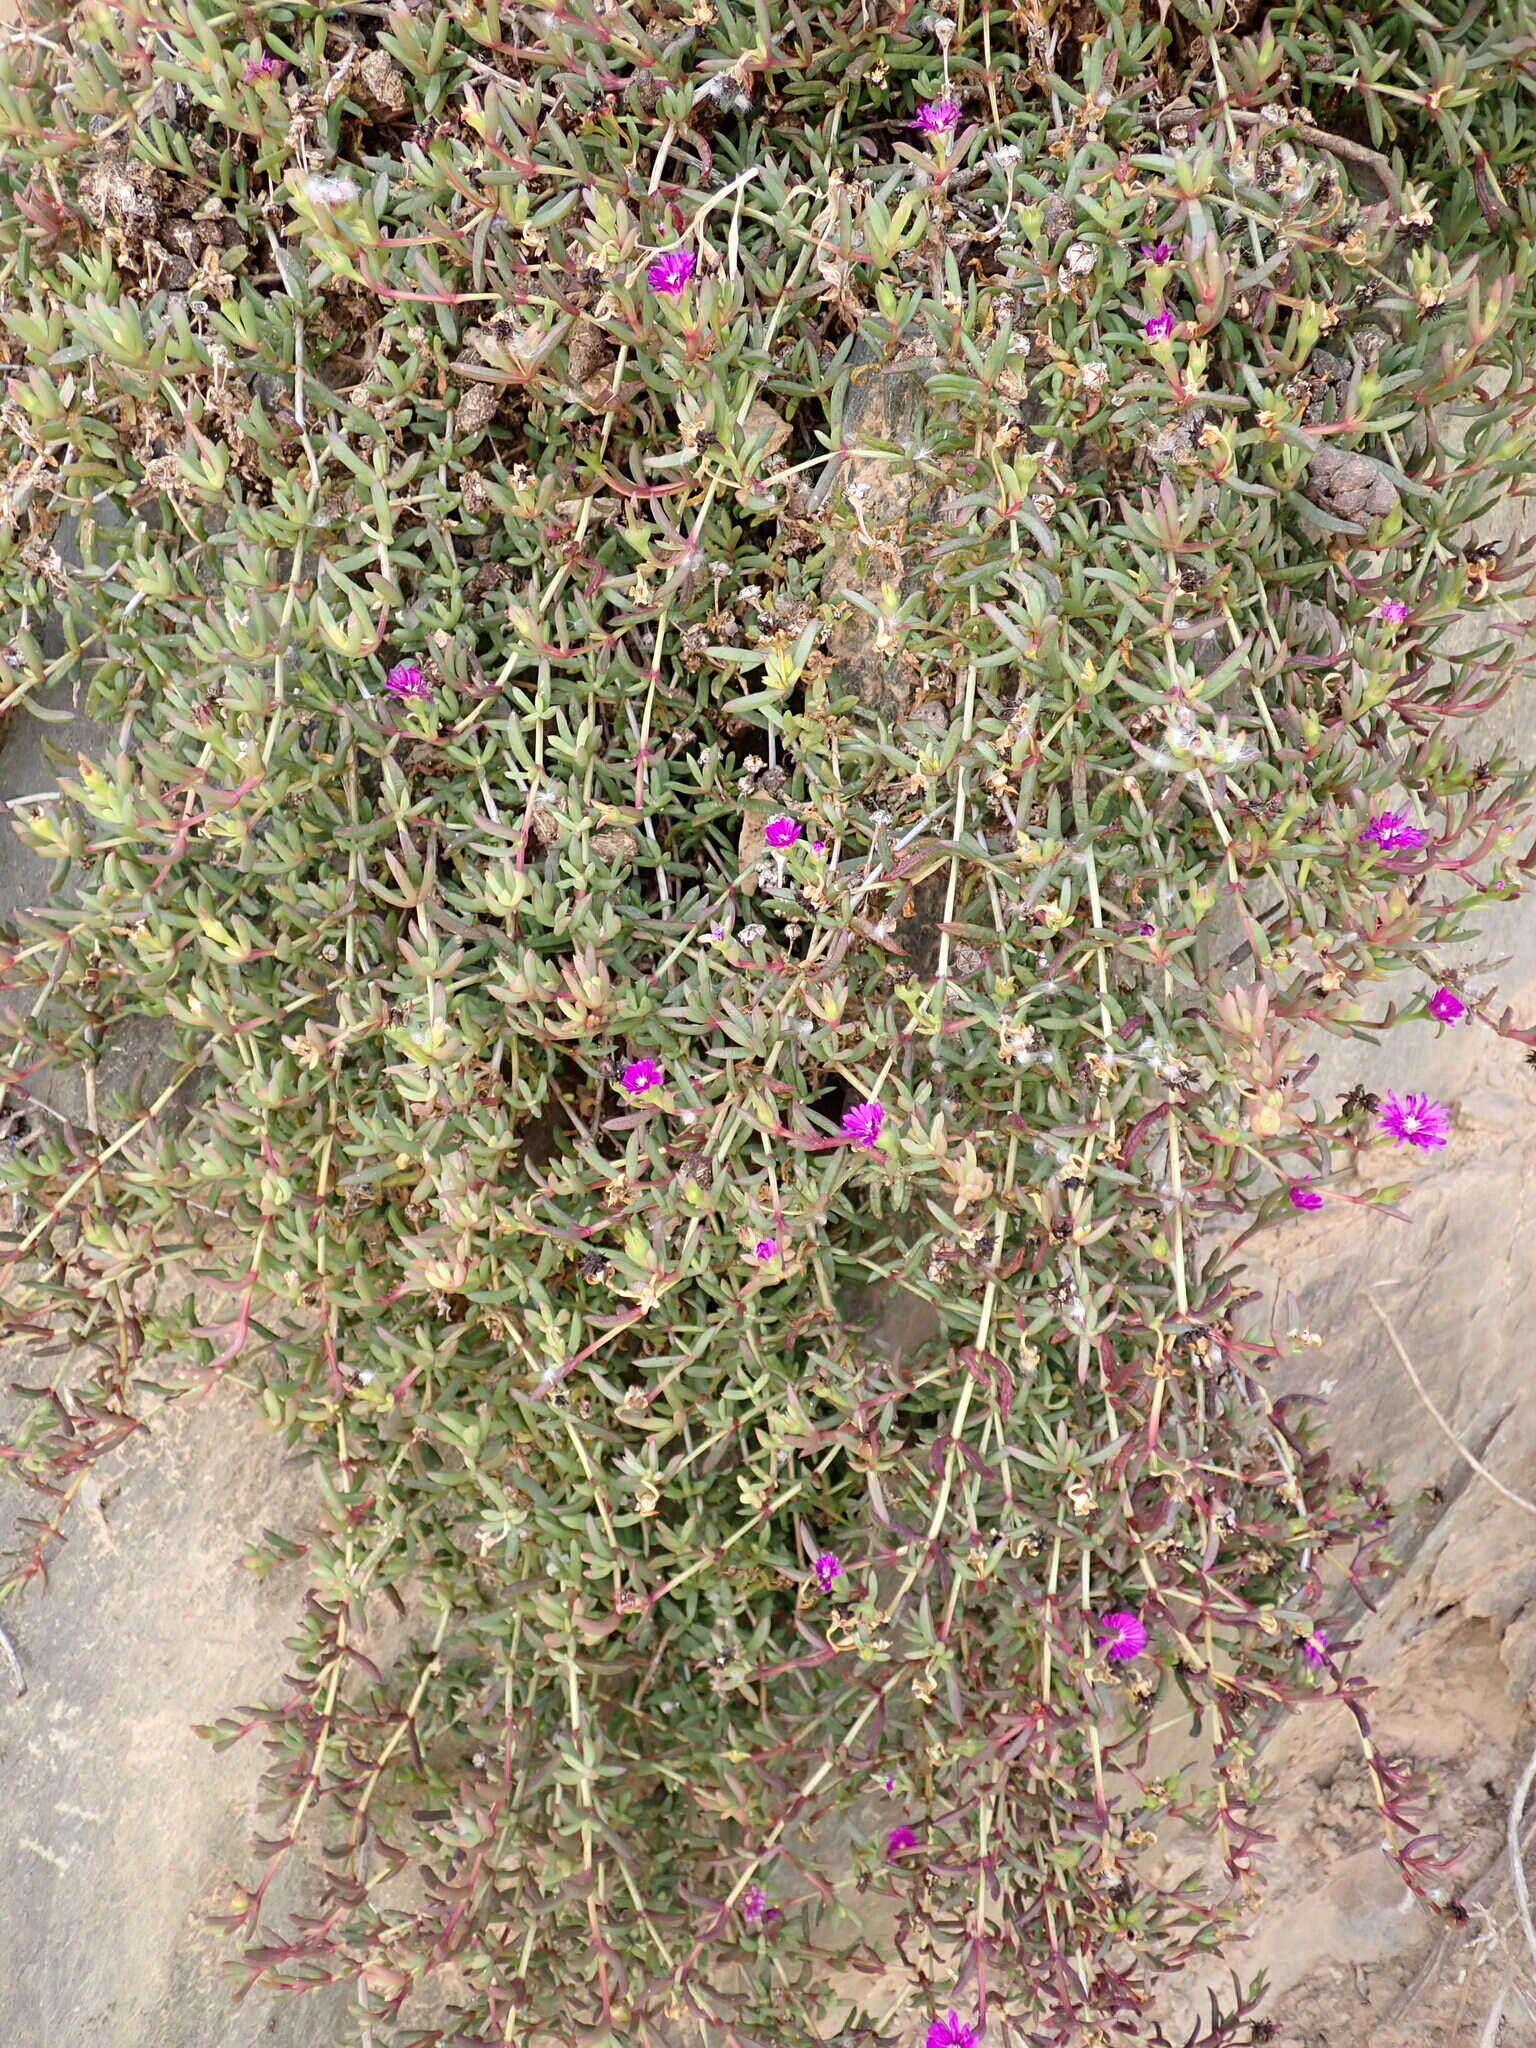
[755,1297]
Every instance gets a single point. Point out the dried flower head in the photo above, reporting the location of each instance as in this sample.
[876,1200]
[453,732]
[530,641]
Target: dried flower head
[1017,1041]
[1188,744]
[330,191]
[1415,1120]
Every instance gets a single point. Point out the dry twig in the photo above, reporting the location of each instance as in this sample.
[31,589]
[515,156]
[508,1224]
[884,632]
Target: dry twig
[1516,1860]
[1420,1389]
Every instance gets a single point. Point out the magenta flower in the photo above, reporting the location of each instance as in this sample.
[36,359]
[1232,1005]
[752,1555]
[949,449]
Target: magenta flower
[864,1123]
[1394,611]
[950,2033]
[1415,1120]
[754,1905]
[1391,831]
[1160,326]
[405,679]
[640,1076]
[899,1839]
[670,273]
[1446,1007]
[1122,1636]
[818,846]
[1315,1648]
[827,1568]
[765,1249]
[780,832]
[1303,1197]
[265,66]
[937,117]
[1156,252]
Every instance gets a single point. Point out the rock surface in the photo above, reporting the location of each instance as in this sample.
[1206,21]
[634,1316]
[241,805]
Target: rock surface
[121,1830]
